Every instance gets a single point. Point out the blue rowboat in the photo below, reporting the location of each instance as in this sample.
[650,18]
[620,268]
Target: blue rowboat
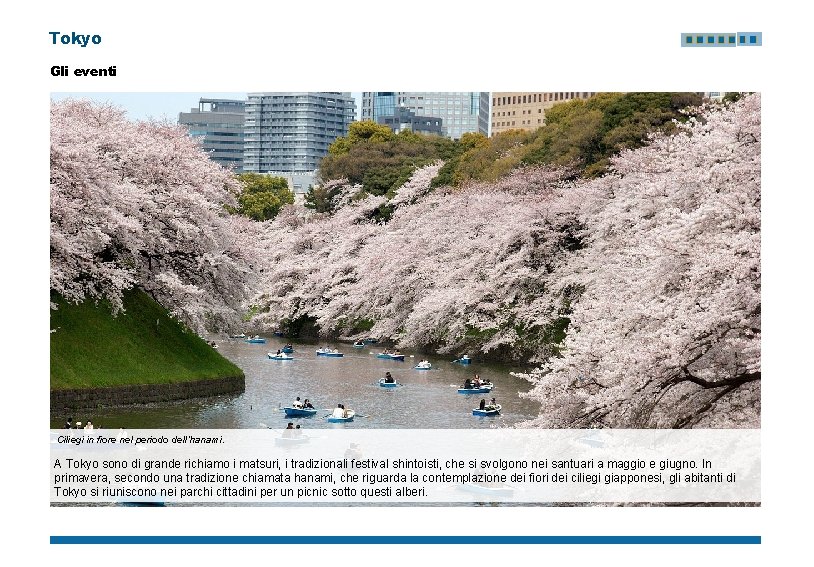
[280,357]
[278,333]
[488,411]
[358,344]
[480,390]
[399,357]
[421,366]
[323,352]
[350,414]
[384,384]
[463,360]
[383,355]
[255,339]
[287,349]
[299,412]
[370,341]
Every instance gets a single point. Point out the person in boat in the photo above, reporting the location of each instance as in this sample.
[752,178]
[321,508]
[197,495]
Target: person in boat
[288,346]
[476,382]
[307,404]
[279,352]
[69,423]
[482,404]
[467,384]
[339,411]
[89,425]
[493,404]
[297,403]
[388,378]
[289,430]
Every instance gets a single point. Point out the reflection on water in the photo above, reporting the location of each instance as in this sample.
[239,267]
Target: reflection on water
[426,399]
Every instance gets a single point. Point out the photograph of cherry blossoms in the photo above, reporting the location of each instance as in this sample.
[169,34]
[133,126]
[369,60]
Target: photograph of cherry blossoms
[597,261]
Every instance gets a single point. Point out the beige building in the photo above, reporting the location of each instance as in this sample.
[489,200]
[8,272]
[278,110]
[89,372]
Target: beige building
[525,111]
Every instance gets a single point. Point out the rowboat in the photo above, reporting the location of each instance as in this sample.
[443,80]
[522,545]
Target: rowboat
[483,389]
[488,411]
[280,357]
[463,360]
[384,384]
[255,339]
[359,344]
[299,412]
[287,349]
[329,352]
[240,336]
[423,366]
[399,357]
[383,355]
[349,417]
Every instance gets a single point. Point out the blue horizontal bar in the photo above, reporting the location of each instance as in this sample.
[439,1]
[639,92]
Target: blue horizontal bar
[406,540]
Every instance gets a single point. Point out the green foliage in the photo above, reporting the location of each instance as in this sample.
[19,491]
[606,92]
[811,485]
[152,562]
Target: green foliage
[584,134]
[379,162]
[320,199]
[360,132]
[90,348]
[262,196]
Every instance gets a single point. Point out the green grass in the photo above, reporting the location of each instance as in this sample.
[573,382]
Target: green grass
[92,349]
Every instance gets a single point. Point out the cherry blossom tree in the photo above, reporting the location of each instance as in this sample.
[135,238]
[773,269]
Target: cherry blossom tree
[140,204]
[666,330]
[452,269]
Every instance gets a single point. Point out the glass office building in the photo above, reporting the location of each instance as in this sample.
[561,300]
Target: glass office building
[291,132]
[460,112]
[219,124]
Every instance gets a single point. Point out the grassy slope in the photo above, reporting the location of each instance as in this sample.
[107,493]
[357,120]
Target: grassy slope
[91,348]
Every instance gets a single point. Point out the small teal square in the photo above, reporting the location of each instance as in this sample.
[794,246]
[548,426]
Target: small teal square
[699,39]
[752,39]
[743,39]
[689,39]
[711,39]
[731,39]
[721,39]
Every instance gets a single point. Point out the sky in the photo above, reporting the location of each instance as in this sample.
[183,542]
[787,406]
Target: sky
[160,106]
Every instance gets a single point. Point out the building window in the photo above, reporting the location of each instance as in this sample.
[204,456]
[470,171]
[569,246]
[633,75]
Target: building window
[721,39]
[743,39]
[689,39]
[710,39]
[699,39]
[752,39]
[731,39]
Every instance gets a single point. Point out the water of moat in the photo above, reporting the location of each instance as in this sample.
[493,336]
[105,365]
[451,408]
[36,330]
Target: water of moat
[426,398]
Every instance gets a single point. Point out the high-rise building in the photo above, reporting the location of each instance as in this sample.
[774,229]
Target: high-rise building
[219,124]
[289,133]
[460,112]
[405,119]
[525,111]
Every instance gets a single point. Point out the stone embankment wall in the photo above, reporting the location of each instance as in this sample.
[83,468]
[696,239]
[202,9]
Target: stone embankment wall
[88,398]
